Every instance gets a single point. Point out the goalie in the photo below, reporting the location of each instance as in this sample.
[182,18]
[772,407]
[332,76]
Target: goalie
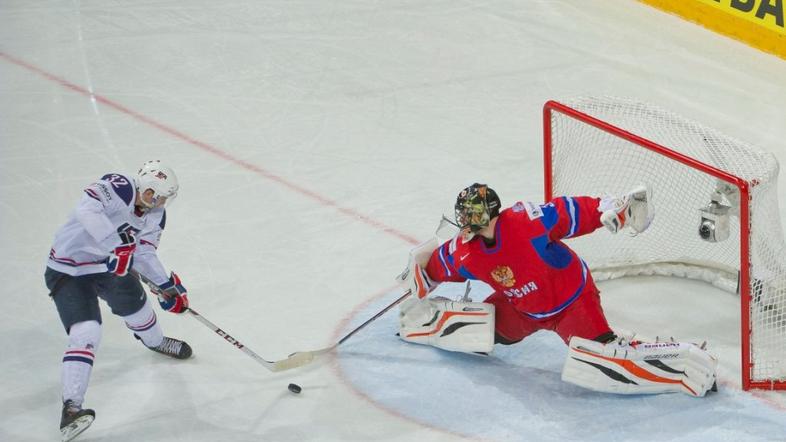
[540,283]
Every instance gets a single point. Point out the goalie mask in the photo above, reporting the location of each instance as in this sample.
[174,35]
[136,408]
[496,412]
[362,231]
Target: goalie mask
[476,206]
[161,180]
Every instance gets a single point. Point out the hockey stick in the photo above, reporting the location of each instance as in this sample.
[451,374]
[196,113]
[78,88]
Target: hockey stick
[300,358]
[297,359]
[270,365]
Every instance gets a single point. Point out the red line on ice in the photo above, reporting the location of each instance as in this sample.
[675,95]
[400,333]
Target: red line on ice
[352,213]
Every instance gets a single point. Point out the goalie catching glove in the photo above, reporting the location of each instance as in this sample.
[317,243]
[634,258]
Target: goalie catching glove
[640,368]
[633,210]
[450,325]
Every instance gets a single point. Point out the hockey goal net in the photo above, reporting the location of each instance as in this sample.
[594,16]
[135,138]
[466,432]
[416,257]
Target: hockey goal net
[704,184]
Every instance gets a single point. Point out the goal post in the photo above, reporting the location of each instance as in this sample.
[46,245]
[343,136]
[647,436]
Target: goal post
[716,210]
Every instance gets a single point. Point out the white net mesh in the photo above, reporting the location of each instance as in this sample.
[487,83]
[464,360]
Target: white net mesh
[589,161]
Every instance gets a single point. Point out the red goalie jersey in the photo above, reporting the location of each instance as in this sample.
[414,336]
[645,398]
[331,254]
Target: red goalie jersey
[530,268]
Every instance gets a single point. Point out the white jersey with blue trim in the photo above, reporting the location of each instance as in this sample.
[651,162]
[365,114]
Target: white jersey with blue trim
[83,244]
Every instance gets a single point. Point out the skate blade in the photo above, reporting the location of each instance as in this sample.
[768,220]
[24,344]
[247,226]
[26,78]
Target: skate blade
[75,428]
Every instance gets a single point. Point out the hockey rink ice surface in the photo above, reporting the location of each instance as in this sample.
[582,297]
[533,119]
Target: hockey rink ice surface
[316,142]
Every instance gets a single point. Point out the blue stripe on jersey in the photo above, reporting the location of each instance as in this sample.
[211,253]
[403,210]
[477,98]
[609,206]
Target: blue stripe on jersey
[573,211]
[163,220]
[78,359]
[445,258]
[121,185]
[550,215]
[466,273]
[570,300]
[552,253]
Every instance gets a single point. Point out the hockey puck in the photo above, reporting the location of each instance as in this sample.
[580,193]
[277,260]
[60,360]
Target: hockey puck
[294,388]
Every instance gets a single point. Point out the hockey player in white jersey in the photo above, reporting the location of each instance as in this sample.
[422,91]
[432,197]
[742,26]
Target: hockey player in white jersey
[115,227]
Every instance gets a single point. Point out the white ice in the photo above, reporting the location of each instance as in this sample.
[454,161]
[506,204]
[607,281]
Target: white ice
[316,142]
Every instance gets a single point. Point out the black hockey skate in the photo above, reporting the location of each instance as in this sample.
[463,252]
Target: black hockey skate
[74,420]
[174,348]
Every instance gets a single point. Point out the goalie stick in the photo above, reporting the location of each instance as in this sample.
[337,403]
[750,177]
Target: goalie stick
[300,358]
[282,365]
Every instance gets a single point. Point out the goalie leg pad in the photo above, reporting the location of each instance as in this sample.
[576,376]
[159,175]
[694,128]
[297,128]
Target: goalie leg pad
[644,368]
[466,327]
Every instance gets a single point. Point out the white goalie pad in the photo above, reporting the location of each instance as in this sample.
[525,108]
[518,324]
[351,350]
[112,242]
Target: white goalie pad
[643,368]
[466,327]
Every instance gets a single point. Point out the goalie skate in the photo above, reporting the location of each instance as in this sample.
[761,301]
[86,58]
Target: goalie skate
[74,420]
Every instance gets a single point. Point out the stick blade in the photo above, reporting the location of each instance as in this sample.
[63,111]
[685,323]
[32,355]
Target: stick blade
[294,360]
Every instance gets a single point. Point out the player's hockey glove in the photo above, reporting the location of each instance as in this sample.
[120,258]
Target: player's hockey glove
[172,295]
[122,257]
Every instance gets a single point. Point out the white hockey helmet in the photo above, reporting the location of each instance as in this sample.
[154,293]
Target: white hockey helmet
[159,178]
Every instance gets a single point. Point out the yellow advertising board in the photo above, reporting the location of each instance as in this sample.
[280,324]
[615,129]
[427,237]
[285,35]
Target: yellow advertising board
[766,13]
[759,23]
